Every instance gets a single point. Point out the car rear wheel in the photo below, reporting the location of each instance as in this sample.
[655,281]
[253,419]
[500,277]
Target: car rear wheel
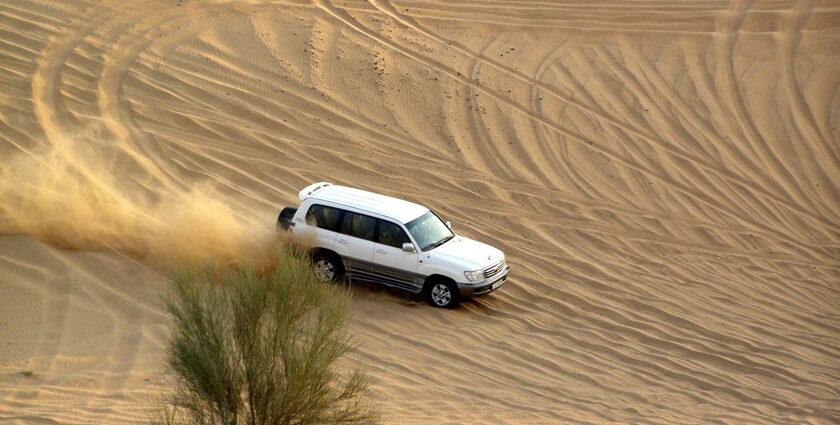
[443,294]
[327,267]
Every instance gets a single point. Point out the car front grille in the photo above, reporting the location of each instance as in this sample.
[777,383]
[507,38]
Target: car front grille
[494,269]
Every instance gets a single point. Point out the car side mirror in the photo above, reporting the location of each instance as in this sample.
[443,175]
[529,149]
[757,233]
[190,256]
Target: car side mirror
[449,224]
[408,247]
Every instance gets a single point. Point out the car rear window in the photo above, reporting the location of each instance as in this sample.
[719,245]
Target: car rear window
[359,225]
[323,217]
[391,234]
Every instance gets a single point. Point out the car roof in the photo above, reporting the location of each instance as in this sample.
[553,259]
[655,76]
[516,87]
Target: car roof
[387,206]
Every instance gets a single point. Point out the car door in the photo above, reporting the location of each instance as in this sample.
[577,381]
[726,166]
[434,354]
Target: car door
[355,243]
[391,264]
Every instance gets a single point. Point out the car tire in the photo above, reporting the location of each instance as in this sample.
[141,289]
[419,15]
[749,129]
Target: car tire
[443,294]
[327,267]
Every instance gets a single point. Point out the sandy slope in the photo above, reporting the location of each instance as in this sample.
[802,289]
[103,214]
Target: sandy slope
[664,178]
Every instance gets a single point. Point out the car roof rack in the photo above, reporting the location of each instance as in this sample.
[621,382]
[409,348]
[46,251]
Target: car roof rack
[312,188]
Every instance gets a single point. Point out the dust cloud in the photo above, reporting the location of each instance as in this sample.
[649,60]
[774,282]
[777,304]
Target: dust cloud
[78,197]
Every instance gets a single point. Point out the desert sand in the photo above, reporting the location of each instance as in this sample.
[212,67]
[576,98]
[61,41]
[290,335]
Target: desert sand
[664,178]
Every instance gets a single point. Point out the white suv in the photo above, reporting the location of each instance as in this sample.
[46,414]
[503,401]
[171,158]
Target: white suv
[386,240]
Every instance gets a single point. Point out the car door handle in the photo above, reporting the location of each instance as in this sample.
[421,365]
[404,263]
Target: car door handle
[342,241]
[381,251]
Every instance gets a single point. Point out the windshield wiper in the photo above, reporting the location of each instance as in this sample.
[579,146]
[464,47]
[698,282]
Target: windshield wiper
[440,242]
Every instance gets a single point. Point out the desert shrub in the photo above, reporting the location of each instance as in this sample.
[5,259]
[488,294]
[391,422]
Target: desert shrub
[262,347]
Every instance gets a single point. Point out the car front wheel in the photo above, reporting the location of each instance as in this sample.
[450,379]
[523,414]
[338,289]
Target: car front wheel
[443,294]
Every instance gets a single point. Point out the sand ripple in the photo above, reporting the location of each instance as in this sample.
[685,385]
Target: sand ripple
[664,178]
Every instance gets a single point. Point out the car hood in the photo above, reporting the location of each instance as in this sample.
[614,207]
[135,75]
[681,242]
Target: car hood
[473,255]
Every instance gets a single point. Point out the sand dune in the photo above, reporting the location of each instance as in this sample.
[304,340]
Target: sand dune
[663,177]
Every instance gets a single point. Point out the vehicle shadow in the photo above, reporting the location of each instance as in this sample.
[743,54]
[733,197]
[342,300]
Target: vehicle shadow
[366,289]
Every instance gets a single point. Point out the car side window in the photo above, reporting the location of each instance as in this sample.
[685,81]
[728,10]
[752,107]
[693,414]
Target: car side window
[323,217]
[391,234]
[358,225]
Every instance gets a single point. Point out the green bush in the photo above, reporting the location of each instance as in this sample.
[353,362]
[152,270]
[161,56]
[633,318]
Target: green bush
[261,347]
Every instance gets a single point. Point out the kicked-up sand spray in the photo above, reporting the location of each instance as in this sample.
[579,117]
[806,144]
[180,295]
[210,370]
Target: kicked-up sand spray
[76,196]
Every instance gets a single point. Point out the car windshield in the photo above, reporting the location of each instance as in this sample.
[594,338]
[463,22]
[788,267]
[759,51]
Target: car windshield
[429,231]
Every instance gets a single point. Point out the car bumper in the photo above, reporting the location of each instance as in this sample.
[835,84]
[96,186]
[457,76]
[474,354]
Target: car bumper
[484,287]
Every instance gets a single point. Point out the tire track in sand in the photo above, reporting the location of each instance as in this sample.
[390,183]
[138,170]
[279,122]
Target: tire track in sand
[701,197]
[635,131]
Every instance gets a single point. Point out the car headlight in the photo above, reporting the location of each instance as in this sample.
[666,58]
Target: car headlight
[475,275]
